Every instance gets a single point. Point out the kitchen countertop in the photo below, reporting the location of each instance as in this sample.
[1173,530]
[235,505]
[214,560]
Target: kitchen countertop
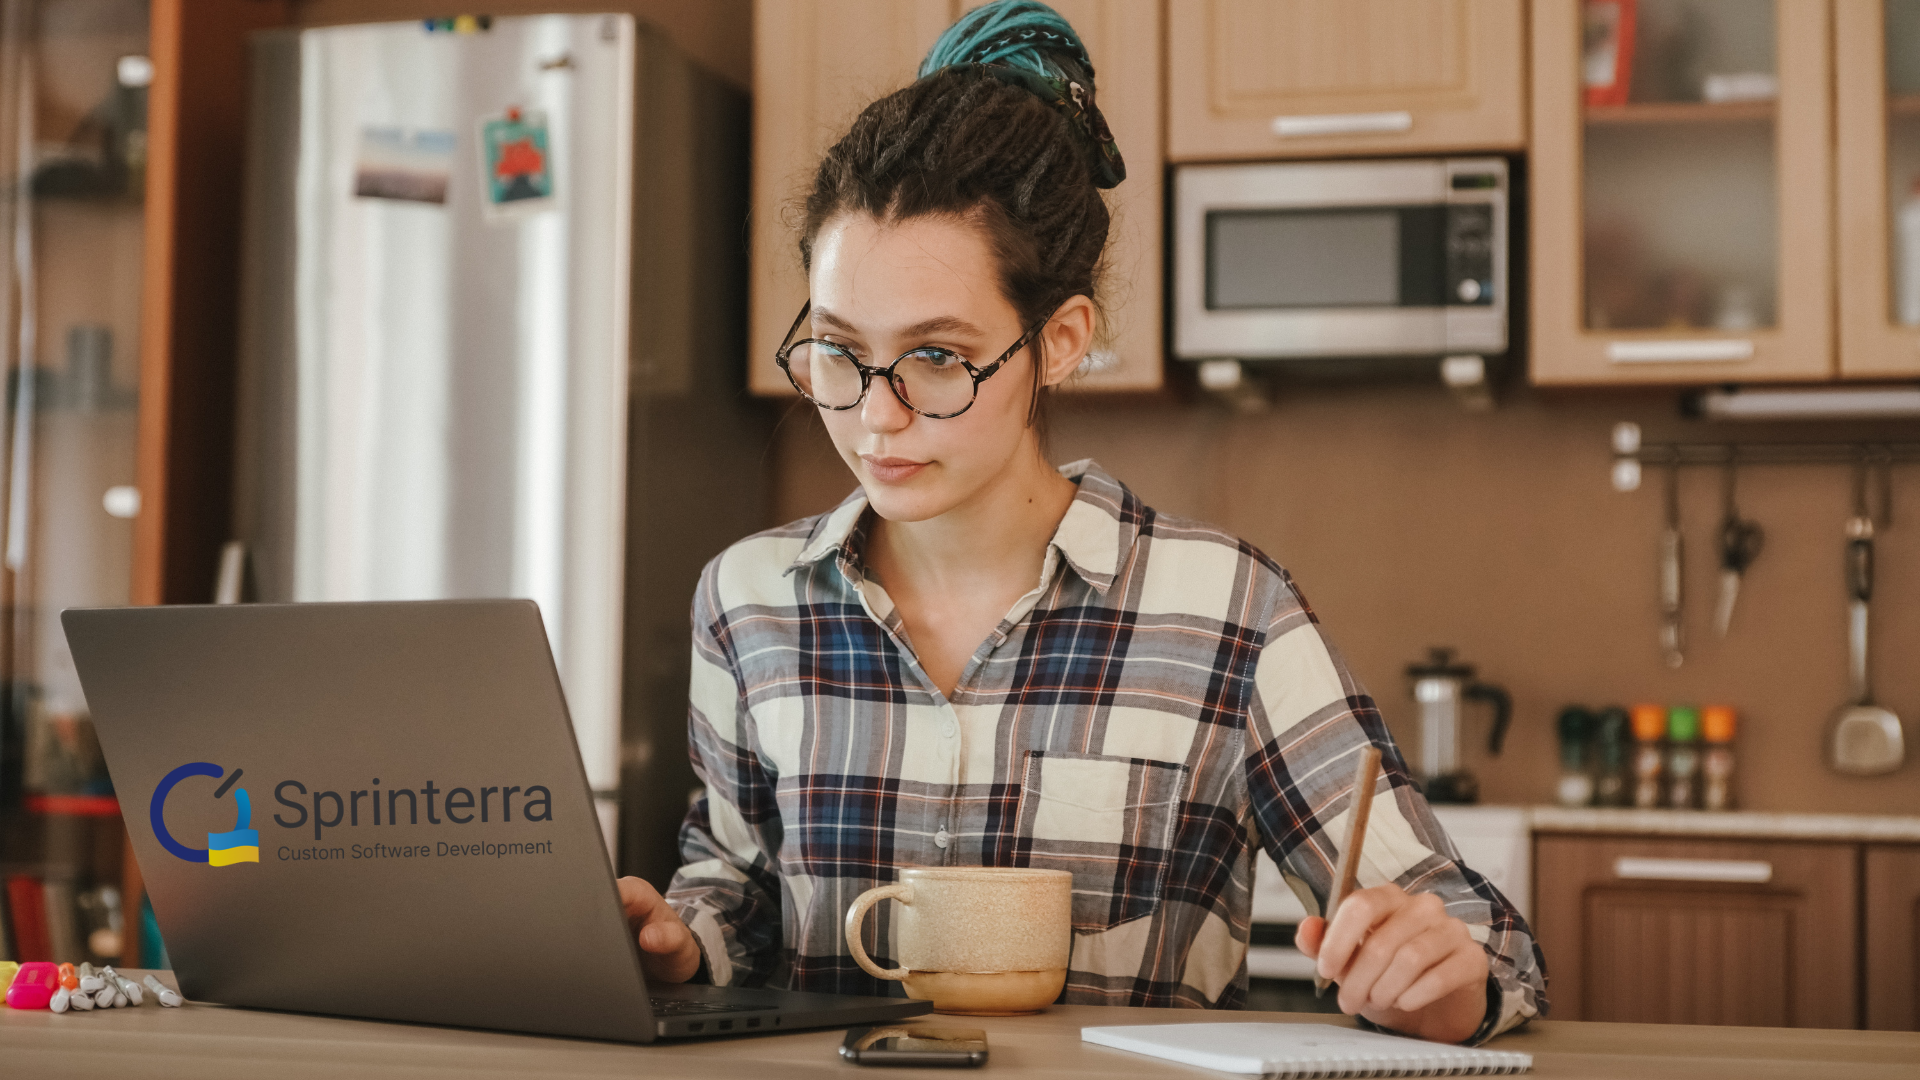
[1740,823]
[208,1042]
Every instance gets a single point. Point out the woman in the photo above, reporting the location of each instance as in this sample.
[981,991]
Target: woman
[973,633]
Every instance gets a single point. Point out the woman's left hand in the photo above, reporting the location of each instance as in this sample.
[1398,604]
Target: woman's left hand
[1401,962]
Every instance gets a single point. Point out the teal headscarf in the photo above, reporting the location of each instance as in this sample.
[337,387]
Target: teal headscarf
[1027,44]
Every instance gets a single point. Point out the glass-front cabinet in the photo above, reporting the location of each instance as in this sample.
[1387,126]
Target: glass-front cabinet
[73,130]
[1877,93]
[1681,191]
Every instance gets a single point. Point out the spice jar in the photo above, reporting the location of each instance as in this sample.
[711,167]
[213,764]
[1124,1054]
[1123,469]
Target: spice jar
[1649,736]
[1717,724]
[1612,784]
[1683,757]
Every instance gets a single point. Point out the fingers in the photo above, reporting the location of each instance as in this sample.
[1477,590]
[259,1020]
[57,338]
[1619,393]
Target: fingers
[1358,915]
[1395,954]
[1386,945]
[1460,968]
[1309,934]
[1433,948]
[668,952]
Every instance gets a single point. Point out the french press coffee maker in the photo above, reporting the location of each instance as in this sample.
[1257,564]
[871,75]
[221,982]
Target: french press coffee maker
[1441,686]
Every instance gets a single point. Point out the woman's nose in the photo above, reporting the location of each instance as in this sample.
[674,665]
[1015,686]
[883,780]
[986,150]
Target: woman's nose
[883,412]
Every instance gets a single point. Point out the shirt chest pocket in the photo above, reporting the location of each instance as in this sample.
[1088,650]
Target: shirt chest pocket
[1109,821]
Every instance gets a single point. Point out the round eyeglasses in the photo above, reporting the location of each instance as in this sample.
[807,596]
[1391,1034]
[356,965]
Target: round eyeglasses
[936,383]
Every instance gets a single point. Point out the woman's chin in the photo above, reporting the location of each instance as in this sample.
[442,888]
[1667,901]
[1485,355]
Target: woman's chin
[903,503]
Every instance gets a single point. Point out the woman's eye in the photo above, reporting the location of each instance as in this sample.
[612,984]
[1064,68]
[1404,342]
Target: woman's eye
[938,359]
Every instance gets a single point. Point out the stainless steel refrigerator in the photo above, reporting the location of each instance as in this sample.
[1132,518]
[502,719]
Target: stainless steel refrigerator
[451,228]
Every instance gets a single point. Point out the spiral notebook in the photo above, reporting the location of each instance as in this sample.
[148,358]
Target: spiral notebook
[1304,1050]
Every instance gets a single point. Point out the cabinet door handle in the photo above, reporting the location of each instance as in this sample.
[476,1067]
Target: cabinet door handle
[1682,351]
[1293,127]
[1750,872]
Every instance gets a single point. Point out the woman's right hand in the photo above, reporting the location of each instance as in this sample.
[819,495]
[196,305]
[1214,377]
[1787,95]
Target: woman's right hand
[668,952]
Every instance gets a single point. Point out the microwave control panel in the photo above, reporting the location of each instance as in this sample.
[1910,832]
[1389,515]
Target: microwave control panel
[1469,254]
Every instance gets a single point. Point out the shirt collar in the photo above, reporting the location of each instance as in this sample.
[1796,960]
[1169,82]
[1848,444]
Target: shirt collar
[1095,535]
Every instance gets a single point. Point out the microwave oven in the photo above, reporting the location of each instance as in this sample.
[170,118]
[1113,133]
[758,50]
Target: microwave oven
[1300,260]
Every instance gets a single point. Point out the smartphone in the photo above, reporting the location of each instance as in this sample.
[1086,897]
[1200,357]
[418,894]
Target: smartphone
[915,1044]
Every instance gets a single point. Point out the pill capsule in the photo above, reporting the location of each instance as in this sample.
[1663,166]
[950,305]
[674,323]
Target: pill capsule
[168,998]
[69,978]
[58,1002]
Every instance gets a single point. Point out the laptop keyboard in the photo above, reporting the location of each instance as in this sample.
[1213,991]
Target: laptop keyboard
[682,1007]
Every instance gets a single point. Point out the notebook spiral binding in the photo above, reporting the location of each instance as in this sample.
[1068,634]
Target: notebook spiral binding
[1491,1064]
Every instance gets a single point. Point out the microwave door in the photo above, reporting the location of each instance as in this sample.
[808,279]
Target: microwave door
[1333,257]
[1325,281]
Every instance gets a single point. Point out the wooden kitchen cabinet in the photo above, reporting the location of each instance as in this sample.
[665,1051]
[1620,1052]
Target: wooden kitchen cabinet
[1307,78]
[1893,933]
[817,63]
[1877,147]
[1690,931]
[1685,236]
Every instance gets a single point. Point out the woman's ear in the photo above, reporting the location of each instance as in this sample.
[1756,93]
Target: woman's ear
[1069,336]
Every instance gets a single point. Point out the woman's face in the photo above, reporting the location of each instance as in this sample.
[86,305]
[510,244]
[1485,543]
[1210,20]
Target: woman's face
[883,289]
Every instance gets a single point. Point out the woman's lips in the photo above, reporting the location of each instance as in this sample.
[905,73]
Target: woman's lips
[892,470]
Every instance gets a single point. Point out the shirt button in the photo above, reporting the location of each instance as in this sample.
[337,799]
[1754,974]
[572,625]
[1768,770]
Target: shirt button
[950,730]
[942,838]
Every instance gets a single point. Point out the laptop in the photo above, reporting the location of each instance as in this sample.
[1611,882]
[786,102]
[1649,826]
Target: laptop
[378,810]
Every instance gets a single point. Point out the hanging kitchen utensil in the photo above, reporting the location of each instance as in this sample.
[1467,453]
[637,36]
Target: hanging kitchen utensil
[1740,544]
[1866,739]
[1672,638]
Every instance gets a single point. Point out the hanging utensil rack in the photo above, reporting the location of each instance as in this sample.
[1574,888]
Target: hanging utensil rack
[1630,454]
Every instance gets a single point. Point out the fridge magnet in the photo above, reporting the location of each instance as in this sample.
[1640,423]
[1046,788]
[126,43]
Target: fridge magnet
[402,164]
[1606,59]
[514,152]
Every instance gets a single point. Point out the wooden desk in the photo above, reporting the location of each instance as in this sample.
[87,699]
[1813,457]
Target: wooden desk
[211,1042]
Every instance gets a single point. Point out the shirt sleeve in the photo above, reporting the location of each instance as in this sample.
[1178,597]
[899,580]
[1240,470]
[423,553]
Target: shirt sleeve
[1308,720]
[727,891]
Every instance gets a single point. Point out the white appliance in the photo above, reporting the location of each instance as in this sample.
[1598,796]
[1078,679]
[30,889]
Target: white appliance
[1309,260]
[435,342]
[1495,841]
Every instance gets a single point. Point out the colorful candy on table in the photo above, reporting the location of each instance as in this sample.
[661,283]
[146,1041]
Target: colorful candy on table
[64,987]
[1649,757]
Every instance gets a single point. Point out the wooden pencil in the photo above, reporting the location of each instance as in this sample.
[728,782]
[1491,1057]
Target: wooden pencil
[1346,874]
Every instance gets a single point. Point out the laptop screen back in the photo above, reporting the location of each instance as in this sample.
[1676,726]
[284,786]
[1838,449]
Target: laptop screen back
[371,810]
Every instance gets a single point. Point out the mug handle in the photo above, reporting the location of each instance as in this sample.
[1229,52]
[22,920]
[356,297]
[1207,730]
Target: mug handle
[858,913]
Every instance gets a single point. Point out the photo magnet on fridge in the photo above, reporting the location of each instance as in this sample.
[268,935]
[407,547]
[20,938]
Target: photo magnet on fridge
[514,152]
[407,165]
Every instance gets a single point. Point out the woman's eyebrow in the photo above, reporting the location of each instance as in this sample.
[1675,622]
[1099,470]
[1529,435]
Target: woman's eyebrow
[942,324]
[939,324]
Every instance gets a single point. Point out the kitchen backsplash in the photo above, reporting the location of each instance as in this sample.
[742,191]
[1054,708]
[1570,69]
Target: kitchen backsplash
[1408,522]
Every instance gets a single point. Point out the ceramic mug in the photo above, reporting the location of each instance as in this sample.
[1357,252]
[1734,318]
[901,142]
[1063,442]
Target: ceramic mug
[976,940]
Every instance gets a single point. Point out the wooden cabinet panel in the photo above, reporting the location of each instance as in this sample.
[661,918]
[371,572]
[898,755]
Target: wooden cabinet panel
[1893,938]
[1256,78]
[1797,343]
[1123,37]
[816,64]
[806,92]
[1630,948]
[1872,344]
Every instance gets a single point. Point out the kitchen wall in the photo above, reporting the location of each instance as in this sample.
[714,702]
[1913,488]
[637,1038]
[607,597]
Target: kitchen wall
[1409,522]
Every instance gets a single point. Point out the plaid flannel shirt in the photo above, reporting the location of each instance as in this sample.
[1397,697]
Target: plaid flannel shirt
[1161,702]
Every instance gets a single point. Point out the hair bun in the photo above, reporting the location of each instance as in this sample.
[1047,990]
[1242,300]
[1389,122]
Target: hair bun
[1026,43]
